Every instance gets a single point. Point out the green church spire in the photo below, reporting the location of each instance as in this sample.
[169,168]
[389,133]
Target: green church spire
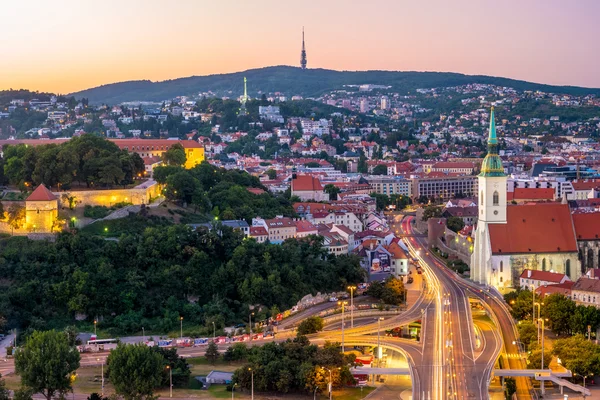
[492,164]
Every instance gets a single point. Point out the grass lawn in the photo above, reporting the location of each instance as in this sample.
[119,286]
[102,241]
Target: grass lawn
[201,366]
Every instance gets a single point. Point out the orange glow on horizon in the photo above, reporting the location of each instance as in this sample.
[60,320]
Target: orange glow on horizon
[69,45]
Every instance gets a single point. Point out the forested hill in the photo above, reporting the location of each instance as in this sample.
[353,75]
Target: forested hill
[295,81]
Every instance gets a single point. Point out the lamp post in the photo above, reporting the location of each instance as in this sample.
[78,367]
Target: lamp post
[330,382]
[250,322]
[542,382]
[143,335]
[102,366]
[214,331]
[252,387]
[181,327]
[342,303]
[95,325]
[170,380]
[352,289]
[533,301]
[539,315]
[233,390]
[379,341]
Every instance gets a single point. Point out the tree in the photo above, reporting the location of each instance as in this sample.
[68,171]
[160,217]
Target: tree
[391,291]
[310,325]
[527,332]
[175,155]
[380,169]
[431,211]
[179,366]
[510,388]
[46,363]
[455,224]
[212,352]
[71,332]
[4,393]
[520,303]
[271,173]
[332,191]
[236,352]
[70,199]
[559,310]
[135,371]
[16,217]
[578,354]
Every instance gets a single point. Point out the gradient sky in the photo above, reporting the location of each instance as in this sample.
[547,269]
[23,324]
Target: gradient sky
[67,45]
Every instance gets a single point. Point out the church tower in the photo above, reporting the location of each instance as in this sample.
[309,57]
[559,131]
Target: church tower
[492,207]
[492,182]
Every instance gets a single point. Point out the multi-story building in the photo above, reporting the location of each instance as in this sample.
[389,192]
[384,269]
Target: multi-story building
[445,187]
[383,184]
[279,228]
[586,291]
[451,167]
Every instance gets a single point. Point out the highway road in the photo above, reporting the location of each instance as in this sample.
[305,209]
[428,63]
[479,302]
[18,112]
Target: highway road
[476,378]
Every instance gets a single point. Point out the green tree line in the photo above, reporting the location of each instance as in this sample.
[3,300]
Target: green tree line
[154,277]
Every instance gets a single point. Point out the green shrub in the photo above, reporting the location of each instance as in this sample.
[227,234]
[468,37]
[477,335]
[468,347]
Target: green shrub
[95,212]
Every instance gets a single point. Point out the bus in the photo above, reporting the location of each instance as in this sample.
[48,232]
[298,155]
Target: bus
[101,341]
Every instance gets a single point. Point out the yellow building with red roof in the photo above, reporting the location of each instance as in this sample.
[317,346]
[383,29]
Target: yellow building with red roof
[41,210]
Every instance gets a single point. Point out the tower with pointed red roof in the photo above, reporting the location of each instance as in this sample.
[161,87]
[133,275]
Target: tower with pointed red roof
[41,210]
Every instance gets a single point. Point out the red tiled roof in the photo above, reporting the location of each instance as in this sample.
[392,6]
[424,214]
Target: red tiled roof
[255,190]
[306,183]
[534,228]
[587,285]
[305,226]
[396,251]
[587,184]
[41,193]
[258,231]
[587,226]
[532,194]
[129,143]
[545,276]
[561,288]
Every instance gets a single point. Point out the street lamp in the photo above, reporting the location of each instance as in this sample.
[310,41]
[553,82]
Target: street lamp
[102,365]
[95,324]
[250,322]
[539,314]
[143,335]
[533,301]
[542,321]
[379,341]
[214,331]
[233,390]
[342,303]
[170,380]
[252,372]
[352,289]
[181,327]
[330,382]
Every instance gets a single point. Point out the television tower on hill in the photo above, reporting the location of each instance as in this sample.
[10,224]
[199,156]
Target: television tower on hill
[243,101]
[303,53]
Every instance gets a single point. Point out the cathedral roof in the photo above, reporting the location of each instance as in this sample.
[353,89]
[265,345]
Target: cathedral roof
[587,226]
[492,164]
[534,228]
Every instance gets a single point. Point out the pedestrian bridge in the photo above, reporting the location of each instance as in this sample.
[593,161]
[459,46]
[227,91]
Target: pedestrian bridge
[538,374]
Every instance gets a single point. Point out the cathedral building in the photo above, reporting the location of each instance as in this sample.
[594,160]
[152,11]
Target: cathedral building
[512,238]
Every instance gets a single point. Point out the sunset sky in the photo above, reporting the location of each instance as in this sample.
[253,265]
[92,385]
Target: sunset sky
[68,45]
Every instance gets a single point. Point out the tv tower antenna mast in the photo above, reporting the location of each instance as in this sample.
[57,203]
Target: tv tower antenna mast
[243,100]
[303,53]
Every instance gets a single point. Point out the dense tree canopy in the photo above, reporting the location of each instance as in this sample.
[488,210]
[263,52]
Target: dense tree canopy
[87,160]
[222,192]
[46,363]
[294,366]
[166,271]
[135,371]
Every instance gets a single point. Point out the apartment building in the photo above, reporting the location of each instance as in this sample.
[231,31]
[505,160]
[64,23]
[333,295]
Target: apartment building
[445,187]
